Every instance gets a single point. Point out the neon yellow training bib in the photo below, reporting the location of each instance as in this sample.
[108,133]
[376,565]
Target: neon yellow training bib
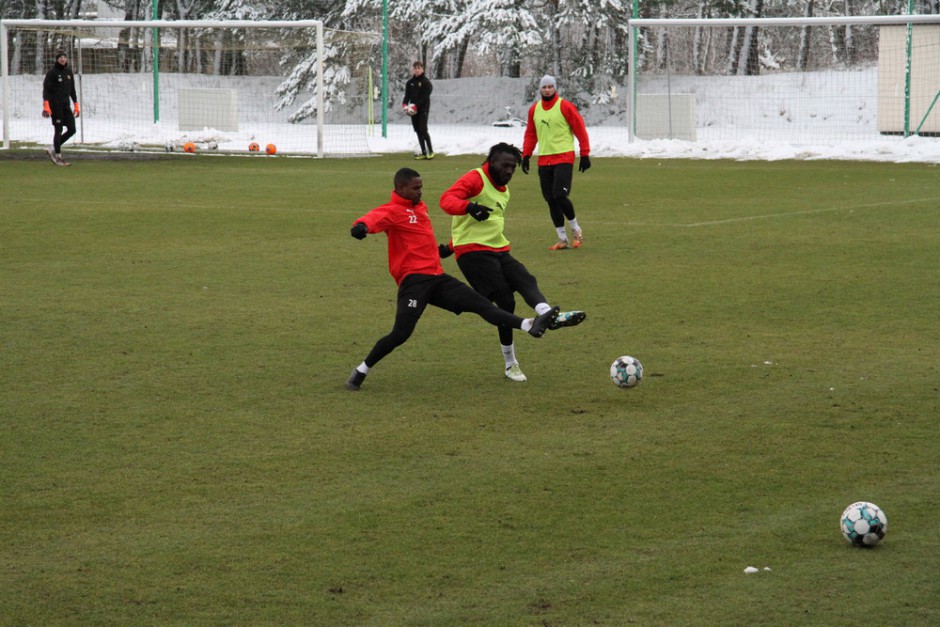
[465,230]
[552,129]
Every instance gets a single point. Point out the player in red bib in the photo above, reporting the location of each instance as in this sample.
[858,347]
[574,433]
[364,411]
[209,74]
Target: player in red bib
[415,264]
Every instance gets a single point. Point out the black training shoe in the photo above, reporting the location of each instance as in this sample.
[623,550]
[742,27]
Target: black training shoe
[543,322]
[354,382]
[567,319]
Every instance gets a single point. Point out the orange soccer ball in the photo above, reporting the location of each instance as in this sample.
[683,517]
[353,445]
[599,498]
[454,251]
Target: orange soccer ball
[253,147]
[270,149]
[189,147]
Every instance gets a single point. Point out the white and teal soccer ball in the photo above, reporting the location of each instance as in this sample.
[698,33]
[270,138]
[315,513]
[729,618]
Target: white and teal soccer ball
[863,524]
[626,372]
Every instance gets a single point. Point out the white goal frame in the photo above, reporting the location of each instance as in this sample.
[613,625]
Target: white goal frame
[171,24]
[871,20]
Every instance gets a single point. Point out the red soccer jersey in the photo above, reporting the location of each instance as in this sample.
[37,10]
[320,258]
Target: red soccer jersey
[412,247]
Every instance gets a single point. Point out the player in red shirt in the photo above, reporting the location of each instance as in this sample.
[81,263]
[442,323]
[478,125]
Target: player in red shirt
[415,264]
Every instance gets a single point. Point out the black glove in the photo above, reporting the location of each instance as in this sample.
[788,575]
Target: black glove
[584,164]
[444,251]
[359,230]
[478,212]
[525,165]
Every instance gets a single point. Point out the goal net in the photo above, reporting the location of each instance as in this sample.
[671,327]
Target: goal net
[219,85]
[798,80]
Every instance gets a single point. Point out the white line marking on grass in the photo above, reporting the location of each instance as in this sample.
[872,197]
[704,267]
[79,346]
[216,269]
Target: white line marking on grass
[809,211]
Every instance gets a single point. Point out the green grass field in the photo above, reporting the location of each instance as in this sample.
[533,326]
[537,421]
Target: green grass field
[178,447]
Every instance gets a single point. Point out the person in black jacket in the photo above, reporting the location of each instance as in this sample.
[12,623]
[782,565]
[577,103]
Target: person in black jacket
[417,104]
[57,89]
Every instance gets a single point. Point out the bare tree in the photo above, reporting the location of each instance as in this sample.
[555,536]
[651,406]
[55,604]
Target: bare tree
[802,59]
[698,62]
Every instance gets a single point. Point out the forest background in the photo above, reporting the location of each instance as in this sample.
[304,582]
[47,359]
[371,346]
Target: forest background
[584,41]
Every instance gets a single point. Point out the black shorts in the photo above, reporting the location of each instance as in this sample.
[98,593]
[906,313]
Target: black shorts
[555,180]
[495,273]
[417,291]
[419,121]
[62,115]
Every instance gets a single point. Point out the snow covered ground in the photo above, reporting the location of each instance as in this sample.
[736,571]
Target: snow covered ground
[615,142]
[823,116]
[606,141]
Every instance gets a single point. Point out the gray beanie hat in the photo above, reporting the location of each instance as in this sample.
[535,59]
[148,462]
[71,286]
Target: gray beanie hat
[548,80]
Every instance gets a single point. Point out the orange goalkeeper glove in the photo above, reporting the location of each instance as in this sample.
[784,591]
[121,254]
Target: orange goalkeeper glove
[77,109]
[46,111]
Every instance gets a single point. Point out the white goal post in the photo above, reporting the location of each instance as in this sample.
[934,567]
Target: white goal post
[99,48]
[799,79]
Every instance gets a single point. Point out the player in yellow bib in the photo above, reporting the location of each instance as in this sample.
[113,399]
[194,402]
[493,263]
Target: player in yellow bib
[553,124]
[477,203]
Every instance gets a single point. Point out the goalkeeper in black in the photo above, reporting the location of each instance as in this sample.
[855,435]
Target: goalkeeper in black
[418,93]
[58,93]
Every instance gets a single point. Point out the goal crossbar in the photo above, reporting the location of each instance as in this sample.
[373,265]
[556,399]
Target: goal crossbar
[833,20]
[165,23]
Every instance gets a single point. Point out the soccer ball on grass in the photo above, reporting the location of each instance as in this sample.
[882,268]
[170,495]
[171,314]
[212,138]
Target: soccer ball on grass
[863,524]
[626,372]
[270,149]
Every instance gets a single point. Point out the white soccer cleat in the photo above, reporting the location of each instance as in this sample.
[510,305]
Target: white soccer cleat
[514,372]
